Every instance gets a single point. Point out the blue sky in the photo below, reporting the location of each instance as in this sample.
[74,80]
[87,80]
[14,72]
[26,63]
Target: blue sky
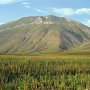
[78,10]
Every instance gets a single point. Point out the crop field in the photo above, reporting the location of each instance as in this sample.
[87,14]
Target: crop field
[65,71]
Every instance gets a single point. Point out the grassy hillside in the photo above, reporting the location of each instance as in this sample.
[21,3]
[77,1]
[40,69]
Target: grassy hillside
[42,34]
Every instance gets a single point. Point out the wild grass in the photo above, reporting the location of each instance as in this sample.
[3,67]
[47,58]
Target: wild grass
[45,72]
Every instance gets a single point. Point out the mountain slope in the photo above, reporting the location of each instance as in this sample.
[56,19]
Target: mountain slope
[42,34]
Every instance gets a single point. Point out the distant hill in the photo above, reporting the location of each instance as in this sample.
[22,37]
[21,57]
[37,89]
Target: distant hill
[41,34]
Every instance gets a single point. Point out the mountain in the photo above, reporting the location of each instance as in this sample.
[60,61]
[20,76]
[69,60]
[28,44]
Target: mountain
[43,34]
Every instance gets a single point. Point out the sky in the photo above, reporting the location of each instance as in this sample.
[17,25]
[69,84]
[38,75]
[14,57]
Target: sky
[78,10]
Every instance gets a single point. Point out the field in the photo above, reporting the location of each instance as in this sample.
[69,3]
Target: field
[59,71]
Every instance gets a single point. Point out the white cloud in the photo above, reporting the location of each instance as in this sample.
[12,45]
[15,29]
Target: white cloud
[10,1]
[70,11]
[87,22]
[83,11]
[26,4]
[41,11]
[1,23]
[63,11]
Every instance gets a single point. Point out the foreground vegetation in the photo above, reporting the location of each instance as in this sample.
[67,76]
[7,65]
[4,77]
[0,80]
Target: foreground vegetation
[45,72]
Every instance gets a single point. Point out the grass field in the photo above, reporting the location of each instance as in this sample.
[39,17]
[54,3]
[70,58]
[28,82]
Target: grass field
[56,71]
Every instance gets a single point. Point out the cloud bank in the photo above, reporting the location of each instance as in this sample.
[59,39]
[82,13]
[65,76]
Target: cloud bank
[40,11]
[70,11]
[1,23]
[87,22]
[10,1]
[26,4]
